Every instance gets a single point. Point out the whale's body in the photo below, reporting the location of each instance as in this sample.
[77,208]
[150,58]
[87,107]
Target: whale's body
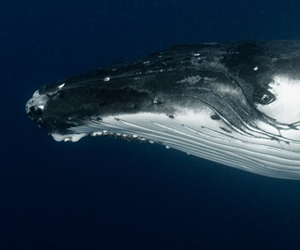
[235,103]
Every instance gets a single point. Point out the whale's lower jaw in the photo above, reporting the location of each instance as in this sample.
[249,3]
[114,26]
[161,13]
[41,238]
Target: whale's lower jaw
[210,140]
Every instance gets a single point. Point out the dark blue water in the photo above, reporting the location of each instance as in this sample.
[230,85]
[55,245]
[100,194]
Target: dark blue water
[102,193]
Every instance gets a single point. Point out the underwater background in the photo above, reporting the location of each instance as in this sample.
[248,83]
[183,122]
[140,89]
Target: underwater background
[102,193]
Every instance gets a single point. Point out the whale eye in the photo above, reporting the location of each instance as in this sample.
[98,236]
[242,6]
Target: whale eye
[265,97]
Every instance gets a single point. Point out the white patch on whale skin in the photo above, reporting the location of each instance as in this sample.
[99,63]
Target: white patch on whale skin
[199,135]
[61,86]
[37,100]
[192,80]
[71,137]
[286,107]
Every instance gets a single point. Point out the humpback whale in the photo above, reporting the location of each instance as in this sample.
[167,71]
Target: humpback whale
[235,103]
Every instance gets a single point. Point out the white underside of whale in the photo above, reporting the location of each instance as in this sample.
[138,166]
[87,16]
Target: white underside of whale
[199,135]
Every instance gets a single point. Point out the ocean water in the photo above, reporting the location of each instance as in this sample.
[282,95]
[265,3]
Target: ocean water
[102,193]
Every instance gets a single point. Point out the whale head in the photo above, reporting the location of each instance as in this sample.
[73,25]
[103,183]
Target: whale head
[234,103]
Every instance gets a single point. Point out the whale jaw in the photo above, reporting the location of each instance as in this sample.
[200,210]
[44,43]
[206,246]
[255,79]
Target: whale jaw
[212,140]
